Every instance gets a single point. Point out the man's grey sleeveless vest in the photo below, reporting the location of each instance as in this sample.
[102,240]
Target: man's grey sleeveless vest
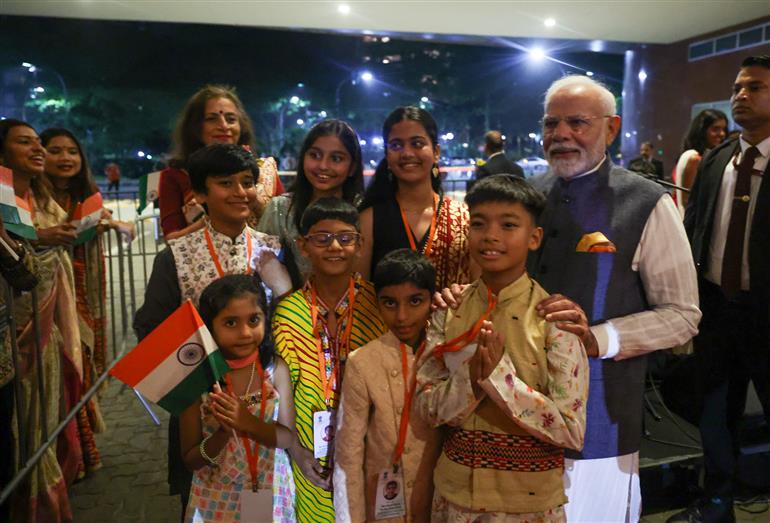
[617,203]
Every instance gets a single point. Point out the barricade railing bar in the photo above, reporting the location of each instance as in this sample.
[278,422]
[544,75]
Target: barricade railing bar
[121,299]
[125,194]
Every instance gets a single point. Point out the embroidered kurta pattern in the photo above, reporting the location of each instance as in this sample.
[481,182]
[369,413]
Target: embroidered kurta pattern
[195,267]
[511,440]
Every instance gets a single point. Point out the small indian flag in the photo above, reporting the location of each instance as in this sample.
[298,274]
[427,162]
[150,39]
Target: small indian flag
[148,189]
[24,226]
[175,363]
[86,217]
[7,197]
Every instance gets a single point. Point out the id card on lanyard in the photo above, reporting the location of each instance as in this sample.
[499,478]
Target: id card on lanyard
[323,420]
[323,433]
[390,499]
[256,506]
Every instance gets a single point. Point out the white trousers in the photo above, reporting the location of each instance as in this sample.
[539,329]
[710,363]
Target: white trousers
[603,490]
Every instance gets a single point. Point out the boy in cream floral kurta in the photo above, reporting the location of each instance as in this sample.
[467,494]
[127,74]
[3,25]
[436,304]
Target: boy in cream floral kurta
[515,400]
[376,400]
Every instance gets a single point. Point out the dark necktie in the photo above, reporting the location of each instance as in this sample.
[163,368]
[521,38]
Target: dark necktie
[732,260]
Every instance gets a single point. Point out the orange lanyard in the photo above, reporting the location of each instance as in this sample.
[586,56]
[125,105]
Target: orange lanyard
[455,344]
[253,456]
[431,231]
[410,380]
[327,383]
[215,258]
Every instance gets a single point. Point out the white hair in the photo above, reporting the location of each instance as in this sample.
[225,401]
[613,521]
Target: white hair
[606,98]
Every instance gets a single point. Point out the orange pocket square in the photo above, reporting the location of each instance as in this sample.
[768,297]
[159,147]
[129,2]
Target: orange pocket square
[595,242]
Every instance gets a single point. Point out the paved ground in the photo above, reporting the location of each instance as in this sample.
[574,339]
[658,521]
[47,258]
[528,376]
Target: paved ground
[131,486]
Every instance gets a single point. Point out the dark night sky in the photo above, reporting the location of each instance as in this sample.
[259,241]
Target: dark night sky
[173,56]
[168,62]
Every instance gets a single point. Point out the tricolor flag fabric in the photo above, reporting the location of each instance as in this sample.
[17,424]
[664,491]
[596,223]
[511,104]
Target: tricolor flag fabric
[7,197]
[23,226]
[175,363]
[148,189]
[86,217]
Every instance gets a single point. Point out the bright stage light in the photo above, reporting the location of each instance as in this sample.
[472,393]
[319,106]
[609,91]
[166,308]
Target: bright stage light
[536,53]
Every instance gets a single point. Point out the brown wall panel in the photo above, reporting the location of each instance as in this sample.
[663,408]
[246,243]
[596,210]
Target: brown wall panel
[658,109]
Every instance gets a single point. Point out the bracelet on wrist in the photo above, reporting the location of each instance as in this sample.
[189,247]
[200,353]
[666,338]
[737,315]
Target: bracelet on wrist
[212,461]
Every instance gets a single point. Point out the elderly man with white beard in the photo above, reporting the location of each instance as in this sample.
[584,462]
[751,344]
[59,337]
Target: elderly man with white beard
[614,243]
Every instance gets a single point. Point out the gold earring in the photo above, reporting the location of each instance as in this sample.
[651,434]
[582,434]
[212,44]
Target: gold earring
[434,171]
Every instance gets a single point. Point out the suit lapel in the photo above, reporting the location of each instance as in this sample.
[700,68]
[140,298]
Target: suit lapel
[718,166]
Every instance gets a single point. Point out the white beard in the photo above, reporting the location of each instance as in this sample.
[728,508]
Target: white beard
[570,168]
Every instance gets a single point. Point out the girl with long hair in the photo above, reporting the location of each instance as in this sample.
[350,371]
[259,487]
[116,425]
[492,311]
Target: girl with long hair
[404,207]
[707,130]
[329,165]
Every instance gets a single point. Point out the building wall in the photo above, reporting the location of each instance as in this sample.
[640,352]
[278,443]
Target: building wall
[658,109]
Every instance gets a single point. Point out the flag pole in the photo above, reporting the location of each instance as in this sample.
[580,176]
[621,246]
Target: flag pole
[147,407]
[10,251]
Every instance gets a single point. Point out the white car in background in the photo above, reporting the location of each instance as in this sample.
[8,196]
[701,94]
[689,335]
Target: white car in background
[533,165]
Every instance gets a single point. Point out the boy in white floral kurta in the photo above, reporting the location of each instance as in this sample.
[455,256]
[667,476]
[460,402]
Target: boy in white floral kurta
[510,386]
[223,178]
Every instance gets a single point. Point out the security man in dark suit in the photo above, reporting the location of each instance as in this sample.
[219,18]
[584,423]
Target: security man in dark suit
[728,223]
[497,162]
[646,164]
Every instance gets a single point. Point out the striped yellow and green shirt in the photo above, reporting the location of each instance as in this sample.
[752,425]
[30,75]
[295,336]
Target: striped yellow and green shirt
[295,343]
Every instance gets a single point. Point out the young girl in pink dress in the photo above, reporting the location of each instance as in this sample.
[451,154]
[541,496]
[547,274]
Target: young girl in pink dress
[233,439]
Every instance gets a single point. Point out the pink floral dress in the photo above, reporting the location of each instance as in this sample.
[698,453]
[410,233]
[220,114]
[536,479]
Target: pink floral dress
[215,491]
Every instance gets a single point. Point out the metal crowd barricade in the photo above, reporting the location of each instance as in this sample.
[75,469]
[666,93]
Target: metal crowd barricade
[128,197]
[121,298]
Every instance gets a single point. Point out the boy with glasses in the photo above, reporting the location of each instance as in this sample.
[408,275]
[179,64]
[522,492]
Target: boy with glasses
[315,330]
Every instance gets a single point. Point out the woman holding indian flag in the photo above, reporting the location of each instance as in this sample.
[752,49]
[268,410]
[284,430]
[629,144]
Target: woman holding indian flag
[53,301]
[73,189]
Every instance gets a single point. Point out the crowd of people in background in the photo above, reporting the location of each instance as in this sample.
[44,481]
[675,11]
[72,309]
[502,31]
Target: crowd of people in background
[396,354]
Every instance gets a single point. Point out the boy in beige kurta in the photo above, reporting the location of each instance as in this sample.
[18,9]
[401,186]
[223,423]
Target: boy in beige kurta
[510,386]
[377,427]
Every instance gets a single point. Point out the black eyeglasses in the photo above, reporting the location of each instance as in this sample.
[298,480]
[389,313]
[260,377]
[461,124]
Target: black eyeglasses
[324,239]
[578,124]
